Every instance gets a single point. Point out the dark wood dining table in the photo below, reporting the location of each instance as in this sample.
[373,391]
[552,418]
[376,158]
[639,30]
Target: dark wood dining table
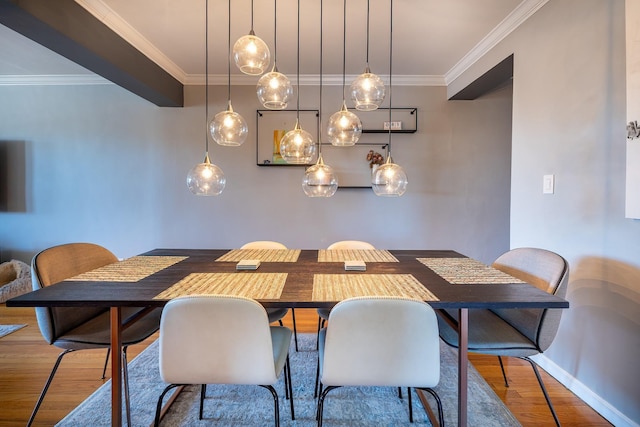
[296,291]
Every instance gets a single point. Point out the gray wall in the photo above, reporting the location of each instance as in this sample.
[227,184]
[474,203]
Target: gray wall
[102,165]
[569,120]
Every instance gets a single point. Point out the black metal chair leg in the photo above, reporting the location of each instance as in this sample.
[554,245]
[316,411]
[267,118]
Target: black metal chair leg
[410,404]
[315,387]
[106,363]
[46,386]
[295,330]
[156,421]
[275,401]
[288,373]
[438,403]
[318,333]
[544,389]
[203,392]
[321,403]
[504,375]
[399,392]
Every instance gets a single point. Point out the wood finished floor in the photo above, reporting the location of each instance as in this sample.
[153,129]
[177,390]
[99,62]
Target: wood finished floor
[26,361]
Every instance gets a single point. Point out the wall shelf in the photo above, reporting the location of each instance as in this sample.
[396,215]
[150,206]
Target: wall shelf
[374,121]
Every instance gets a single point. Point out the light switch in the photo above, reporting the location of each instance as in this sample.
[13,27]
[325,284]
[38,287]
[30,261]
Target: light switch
[547,184]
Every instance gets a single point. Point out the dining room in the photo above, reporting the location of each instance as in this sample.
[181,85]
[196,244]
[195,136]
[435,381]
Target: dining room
[87,160]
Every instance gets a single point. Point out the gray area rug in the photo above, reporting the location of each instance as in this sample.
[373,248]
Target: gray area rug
[227,405]
[8,329]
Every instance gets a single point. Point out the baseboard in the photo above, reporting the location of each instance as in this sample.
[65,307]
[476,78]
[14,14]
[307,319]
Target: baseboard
[595,401]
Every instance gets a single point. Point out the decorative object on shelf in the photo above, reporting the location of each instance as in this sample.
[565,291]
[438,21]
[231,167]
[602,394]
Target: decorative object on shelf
[297,146]
[344,127]
[374,158]
[250,53]
[367,90]
[274,89]
[228,127]
[633,130]
[390,179]
[319,180]
[206,179]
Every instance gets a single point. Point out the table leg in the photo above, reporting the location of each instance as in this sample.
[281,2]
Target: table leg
[463,364]
[116,366]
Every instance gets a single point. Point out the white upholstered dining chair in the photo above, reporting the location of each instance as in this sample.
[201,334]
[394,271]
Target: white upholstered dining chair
[275,314]
[516,332]
[82,328]
[220,339]
[380,341]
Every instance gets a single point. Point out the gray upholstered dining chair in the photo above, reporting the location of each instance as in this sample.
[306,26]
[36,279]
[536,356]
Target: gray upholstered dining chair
[221,339]
[380,341]
[275,314]
[323,313]
[516,332]
[82,328]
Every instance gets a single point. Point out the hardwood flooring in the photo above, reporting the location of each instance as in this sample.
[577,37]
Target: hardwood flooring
[26,361]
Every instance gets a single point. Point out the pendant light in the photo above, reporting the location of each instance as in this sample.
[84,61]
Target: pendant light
[206,179]
[274,88]
[344,127]
[250,53]
[228,127]
[367,90]
[319,179]
[296,146]
[389,179]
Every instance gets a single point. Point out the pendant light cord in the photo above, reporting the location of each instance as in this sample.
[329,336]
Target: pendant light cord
[320,102]
[367,33]
[275,32]
[298,70]
[344,47]
[390,71]
[206,75]
[251,32]
[229,57]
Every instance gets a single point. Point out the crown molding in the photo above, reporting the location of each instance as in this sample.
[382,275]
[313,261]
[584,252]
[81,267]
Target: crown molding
[516,18]
[53,80]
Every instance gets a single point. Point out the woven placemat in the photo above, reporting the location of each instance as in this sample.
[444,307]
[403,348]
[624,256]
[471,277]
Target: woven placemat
[130,270]
[467,271]
[337,287]
[264,255]
[366,255]
[250,285]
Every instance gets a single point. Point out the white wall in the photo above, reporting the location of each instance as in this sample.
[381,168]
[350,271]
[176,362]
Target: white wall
[105,166]
[569,120]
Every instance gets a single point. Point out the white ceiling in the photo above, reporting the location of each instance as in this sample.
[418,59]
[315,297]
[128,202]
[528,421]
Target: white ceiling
[433,40]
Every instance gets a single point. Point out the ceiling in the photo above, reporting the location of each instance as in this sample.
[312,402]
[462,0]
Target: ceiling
[433,40]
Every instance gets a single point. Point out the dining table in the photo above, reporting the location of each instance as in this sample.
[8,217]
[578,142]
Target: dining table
[292,278]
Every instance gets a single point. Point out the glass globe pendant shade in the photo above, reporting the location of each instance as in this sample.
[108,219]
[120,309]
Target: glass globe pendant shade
[389,180]
[297,147]
[228,128]
[367,91]
[344,127]
[319,180]
[251,54]
[274,90]
[206,179]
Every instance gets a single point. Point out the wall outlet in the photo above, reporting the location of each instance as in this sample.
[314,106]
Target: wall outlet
[548,184]
[394,125]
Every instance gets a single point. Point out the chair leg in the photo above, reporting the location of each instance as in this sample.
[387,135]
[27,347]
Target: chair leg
[318,333]
[125,375]
[288,373]
[321,403]
[295,330]
[315,387]
[156,421]
[544,390]
[203,392]
[504,375]
[438,403]
[106,363]
[399,392]
[275,401]
[410,404]
[46,386]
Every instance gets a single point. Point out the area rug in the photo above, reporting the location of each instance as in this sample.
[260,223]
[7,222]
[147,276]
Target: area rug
[253,406]
[7,329]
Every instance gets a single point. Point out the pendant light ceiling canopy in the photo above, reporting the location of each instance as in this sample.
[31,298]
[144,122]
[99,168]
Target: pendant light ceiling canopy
[320,180]
[228,127]
[206,179]
[250,53]
[389,179]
